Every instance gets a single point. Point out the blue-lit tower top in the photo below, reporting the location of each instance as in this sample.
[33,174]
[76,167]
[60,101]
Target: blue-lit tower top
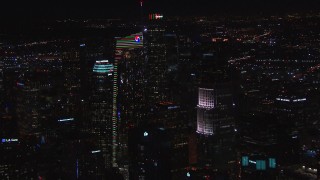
[103,67]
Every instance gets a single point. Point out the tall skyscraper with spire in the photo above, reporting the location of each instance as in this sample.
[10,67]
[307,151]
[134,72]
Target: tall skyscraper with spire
[127,75]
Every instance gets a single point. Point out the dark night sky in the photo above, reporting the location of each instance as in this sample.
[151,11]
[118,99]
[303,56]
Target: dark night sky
[130,8]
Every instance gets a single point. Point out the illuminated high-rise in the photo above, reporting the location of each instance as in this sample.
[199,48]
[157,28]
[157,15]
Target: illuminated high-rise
[126,79]
[205,113]
[215,110]
[157,67]
[101,104]
[215,126]
[131,86]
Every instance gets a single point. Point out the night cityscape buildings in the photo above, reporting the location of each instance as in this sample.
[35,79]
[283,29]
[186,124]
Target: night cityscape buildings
[162,94]
[205,124]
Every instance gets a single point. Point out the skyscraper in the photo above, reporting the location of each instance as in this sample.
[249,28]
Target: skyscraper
[156,74]
[132,86]
[124,44]
[216,127]
[101,106]
[205,112]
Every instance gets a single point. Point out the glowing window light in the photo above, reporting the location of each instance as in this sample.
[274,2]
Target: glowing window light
[77,169]
[284,100]
[159,16]
[64,120]
[97,151]
[245,160]
[102,61]
[261,165]
[145,134]
[102,67]
[299,100]
[272,163]
[252,162]
[155,16]
[20,84]
[293,100]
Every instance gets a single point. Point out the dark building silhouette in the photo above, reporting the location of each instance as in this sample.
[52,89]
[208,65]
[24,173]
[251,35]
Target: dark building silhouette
[149,153]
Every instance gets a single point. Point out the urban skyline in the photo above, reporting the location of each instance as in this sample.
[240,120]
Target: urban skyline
[160,90]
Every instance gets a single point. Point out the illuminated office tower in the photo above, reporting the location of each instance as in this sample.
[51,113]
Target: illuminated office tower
[101,104]
[70,68]
[157,67]
[215,107]
[123,47]
[205,112]
[215,126]
[28,111]
[132,87]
